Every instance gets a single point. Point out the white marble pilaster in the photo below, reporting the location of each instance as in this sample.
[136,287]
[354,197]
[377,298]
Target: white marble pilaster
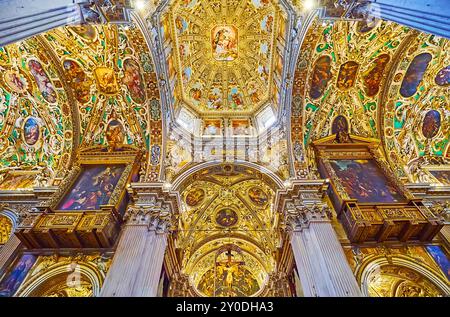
[137,263]
[322,266]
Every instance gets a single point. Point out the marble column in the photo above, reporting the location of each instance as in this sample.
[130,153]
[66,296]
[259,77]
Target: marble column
[138,260]
[20,19]
[322,266]
[430,16]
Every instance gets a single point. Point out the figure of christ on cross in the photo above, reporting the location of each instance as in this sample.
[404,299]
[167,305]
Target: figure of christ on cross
[229,267]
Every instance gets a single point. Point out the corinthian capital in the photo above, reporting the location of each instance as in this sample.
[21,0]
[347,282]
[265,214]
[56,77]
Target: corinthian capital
[157,217]
[298,216]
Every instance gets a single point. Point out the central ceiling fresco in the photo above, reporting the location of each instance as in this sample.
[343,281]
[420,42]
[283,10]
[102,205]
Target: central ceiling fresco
[223,53]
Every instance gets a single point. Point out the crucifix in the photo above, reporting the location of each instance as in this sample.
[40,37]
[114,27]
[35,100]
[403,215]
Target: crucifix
[230,268]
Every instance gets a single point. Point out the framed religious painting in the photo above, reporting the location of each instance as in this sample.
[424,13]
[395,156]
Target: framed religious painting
[93,187]
[98,182]
[438,174]
[90,203]
[364,181]
[370,202]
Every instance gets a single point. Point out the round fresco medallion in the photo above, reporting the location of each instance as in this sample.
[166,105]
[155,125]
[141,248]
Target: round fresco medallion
[195,196]
[16,81]
[226,217]
[258,196]
[31,131]
[115,133]
[431,124]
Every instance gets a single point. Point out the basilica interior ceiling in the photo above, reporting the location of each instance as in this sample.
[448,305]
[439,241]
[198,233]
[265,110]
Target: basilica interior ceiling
[73,88]
[377,80]
[228,228]
[225,56]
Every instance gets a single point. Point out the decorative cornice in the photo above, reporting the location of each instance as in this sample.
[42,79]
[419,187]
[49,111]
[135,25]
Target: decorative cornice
[309,191]
[20,210]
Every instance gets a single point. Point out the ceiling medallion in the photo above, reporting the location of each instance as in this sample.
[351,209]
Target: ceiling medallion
[31,130]
[258,196]
[195,197]
[226,217]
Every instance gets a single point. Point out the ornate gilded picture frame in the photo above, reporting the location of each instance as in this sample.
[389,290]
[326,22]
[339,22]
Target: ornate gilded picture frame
[440,174]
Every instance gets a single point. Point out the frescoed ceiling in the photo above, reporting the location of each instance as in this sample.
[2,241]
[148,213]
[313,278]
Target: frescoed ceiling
[228,209]
[416,116]
[359,75]
[72,88]
[37,118]
[223,54]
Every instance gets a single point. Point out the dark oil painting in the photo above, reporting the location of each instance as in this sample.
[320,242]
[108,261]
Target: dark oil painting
[93,187]
[431,124]
[340,124]
[12,281]
[320,77]
[363,180]
[414,74]
[372,78]
[442,176]
[440,258]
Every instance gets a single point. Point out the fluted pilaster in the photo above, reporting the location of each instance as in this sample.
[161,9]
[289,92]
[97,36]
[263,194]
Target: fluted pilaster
[321,262]
[137,263]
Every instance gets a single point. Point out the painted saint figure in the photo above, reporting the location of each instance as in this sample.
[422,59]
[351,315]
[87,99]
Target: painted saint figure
[93,188]
[43,82]
[224,43]
[133,80]
[31,131]
[230,268]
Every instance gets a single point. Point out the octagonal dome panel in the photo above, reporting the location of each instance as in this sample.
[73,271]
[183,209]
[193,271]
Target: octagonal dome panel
[222,53]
